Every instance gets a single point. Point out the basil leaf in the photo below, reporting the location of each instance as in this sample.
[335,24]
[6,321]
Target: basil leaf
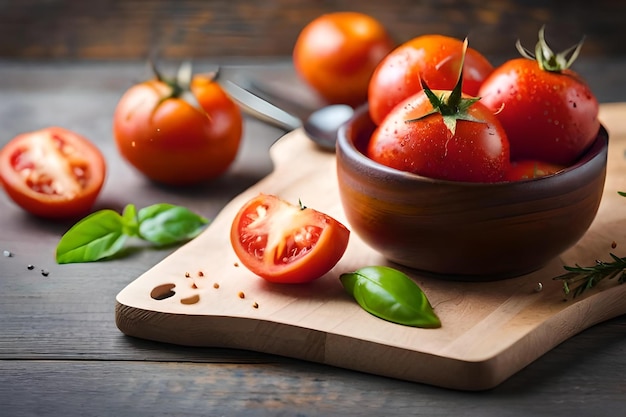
[104,233]
[165,224]
[390,295]
[97,236]
[131,222]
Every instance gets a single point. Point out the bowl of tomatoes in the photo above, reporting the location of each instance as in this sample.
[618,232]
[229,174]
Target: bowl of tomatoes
[465,230]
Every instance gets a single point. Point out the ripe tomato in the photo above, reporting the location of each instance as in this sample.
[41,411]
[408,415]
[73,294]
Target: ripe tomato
[170,139]
[284,243]
[524,170]
[414,139]
[549,114]
[435,59]
[52,172]
[336,54]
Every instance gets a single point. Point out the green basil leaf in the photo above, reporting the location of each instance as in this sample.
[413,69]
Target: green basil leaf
[165,224]
[97,236]
[390,295]
[131,222]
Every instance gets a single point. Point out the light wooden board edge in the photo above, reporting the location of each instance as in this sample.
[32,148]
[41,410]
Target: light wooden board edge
[364,355]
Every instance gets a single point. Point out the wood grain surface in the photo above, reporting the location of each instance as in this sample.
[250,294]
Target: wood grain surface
[184,29]
[61,353]
[489,332]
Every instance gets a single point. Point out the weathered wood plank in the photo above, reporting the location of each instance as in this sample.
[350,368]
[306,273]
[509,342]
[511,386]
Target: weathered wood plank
[567,381]
[61,358]
[130,29]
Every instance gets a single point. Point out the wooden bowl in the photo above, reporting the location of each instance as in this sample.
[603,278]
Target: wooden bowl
[460,230]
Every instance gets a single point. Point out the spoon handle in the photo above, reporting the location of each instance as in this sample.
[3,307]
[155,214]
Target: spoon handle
[261,109]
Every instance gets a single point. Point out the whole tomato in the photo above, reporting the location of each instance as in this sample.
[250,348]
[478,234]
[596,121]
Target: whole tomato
[444,135]
[436,59]
[336,54]
[52,172]
[284,243]
[527,170]
[548,111]
[178,132]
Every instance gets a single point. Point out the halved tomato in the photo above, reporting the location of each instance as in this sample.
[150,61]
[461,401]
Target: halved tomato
[52,172]
[284,243]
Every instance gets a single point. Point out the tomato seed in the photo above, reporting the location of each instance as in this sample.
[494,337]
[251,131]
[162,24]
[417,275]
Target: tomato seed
[255,305]
[44,273]
[187,274]
[200,273]
[241,294]
[30,267]
[216,285]
[614,244]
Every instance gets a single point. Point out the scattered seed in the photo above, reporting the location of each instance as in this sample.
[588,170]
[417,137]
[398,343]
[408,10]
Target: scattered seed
[614,245]
[539,287]
[194,286]
[241,294]
[216,285]
[200,273]
[44,272]
[190,300]
[187,274]
[7,253]
[255,305]
[236,264]
[30,267]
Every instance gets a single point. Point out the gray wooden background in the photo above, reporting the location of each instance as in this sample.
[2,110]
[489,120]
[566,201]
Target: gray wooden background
[192,29]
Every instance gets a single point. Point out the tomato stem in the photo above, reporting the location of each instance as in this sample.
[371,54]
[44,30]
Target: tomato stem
[545,56]
[451,105]
[180,86]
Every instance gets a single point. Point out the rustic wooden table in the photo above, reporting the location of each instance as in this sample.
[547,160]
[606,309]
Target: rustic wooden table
[61,353]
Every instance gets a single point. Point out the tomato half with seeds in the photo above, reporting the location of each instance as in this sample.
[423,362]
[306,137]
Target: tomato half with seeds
[285,243]
[52,172]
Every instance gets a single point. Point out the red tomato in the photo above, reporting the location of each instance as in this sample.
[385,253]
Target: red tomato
[337,53]
[52,172]
[170,139]
[524,170]
[549,115]
[477,151]
[284,243]
[436,59]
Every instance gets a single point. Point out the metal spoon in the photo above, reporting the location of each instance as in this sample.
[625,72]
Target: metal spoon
[321,126]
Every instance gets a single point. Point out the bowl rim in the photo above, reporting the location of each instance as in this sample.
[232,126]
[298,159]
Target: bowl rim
[350,151]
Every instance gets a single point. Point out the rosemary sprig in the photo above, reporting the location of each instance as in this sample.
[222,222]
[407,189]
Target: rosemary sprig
[578,278]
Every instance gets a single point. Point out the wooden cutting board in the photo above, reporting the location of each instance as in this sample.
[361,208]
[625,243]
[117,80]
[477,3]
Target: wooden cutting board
[489,332]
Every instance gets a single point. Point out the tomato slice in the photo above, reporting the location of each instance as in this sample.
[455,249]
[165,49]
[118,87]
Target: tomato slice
[52,172]
[284,243]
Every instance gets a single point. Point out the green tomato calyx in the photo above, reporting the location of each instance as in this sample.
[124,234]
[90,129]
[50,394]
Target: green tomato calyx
[547,59]
[180,85]
[451,105]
